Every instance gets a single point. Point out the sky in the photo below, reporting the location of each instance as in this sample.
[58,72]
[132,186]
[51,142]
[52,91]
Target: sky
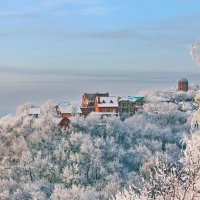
[58,49]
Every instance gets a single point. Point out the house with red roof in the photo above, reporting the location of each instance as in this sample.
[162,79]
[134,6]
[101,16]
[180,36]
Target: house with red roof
[89,101]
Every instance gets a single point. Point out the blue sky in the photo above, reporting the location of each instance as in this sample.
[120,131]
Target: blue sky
[60,48]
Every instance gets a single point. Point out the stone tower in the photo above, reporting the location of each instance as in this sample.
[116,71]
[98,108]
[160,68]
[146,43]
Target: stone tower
[183,84]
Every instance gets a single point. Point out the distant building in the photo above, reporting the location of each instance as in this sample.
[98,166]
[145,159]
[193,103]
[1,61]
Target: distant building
[67,109]
[183,84]
[65,122]
[160,99]
[129,105]
[34,112]
[106,105]
[88,102]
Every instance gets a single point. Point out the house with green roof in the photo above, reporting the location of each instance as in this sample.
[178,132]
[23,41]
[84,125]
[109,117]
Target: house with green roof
[127,106]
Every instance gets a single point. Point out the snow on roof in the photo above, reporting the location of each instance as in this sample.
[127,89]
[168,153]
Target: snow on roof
[72,119]
[108,101]
[131,98]
[69,108]
[34,111]
[159,99]
[162,99]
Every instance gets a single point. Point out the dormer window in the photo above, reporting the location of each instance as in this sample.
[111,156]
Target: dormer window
[111,101]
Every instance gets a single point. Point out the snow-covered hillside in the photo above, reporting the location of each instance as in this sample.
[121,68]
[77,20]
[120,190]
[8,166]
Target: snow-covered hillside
[95,158]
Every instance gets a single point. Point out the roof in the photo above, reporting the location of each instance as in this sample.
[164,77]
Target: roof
[131,98]
[108,102]
[92,96]
[103,94]
[34,111]
[161,99]
[71,119]
[68,108]
[183,80]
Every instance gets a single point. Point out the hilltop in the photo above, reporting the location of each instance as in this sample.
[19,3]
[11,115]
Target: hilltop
[95,157]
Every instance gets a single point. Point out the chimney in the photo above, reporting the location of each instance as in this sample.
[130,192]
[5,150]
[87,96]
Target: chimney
[98,99]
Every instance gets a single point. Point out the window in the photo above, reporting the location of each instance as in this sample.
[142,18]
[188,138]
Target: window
[124,110]
[112,110]
[139,103]
[130,104]
[103,101]
[103,110]
[111,101]
[66,123]
[124,104]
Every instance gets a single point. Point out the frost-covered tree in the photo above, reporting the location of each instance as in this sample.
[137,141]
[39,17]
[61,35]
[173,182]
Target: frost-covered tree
[171,181]
[97,157]
[195,51]
[166,179]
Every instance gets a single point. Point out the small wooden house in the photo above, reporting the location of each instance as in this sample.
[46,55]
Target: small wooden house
[65,122]
[67,110]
